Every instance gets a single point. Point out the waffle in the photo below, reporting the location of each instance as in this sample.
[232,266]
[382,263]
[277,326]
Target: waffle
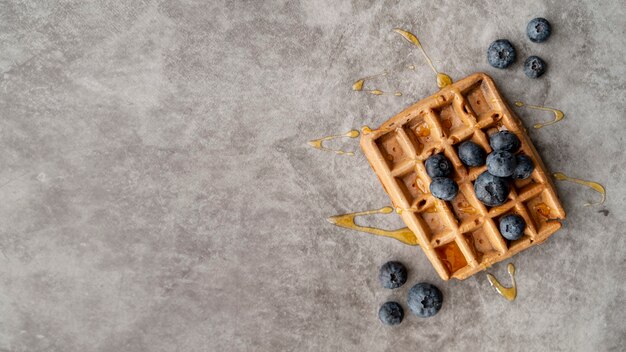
[460,237]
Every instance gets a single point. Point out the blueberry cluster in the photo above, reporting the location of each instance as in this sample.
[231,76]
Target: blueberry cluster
[425,300]
[439,168]
[492,187]
[501,53]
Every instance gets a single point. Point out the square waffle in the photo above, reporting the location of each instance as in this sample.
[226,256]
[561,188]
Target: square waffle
[460,237]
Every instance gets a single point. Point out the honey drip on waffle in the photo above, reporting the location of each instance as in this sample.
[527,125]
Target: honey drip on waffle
[466,208]
[423,130]
[507,292]
[452,257]
[558,114]
[559,176]
[414,209]
[366,130]
[404,235]
[319,143]
[358,86]
[443,79]
[543,209]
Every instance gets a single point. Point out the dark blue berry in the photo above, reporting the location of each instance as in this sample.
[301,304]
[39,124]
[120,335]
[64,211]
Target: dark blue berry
[534,67]
[391,313]
[524,168]
[512,227]
[392,274]
[444,188]
[471,154]
[491,190]
[501,163]
[438,166]
[425,300]
[504,140]
[538,30]
[501,53]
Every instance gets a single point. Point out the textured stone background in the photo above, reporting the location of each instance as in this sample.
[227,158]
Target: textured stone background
[158,193]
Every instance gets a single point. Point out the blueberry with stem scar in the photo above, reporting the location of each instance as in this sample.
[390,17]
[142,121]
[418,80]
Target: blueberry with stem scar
[501,54]
[392,275]
[425,300]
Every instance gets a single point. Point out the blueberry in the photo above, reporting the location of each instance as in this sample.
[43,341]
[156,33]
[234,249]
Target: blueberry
[392,274]
[491,190]
[425,300]
[501,163]
[438,166]
[538,30]
[471,154]
[524,168]
[534,67]
[512,227]
[391,313]
[501,53]
[504,140]
[444,188]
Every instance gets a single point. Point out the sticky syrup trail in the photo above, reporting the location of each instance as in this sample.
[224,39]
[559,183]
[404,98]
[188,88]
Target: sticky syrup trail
[507,292]
[443,79]
[404,235]
[558,114]
[559,176]
[358,85]
[318,143]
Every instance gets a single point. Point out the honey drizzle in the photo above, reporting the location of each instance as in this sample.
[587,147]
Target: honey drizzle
[466,208]
[559,176]
[430,210]
[358,86]
[380,92]
[507,292]
[404,235]
[402,210]
[443,79]
[558,114]
[318,143]
[420,185]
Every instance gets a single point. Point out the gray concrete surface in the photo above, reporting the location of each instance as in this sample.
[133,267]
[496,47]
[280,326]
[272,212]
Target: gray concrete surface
[158,193]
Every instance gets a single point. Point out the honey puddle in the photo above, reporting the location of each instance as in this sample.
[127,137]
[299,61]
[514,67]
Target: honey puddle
[443,79]
[558,114]
[559,176]
[423,130]
[318,143]
[507,292]
[404,235]
[358,86]
[543,209]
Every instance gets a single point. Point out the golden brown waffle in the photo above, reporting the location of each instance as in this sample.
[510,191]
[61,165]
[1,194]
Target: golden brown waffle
[460,237]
